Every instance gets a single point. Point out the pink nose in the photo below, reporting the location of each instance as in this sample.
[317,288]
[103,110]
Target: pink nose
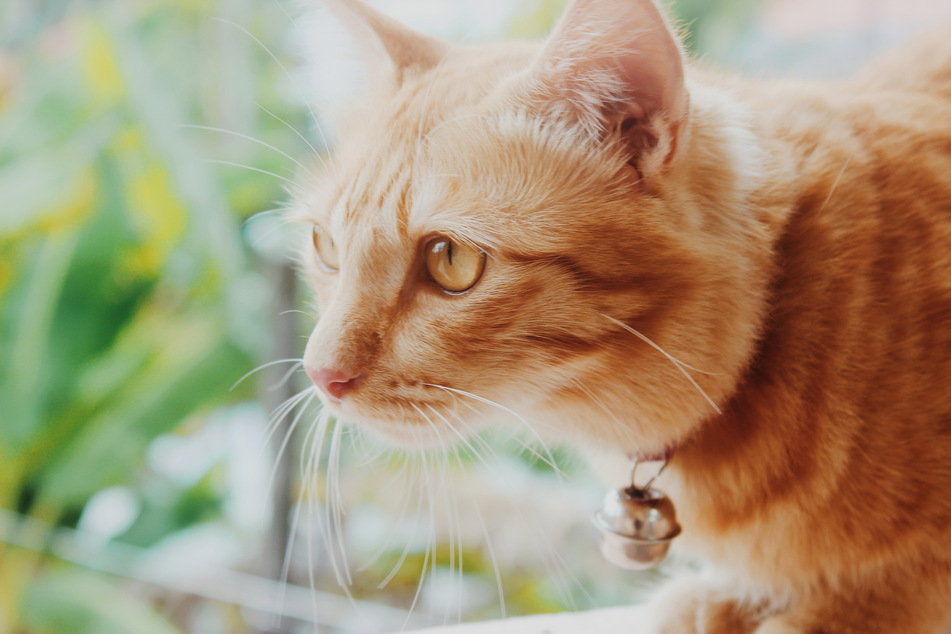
[334,383]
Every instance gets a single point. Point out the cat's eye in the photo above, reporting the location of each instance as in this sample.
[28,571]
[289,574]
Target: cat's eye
[326,249]
[453,265]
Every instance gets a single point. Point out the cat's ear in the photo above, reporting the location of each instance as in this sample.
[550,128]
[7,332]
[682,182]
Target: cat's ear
[389,48]
[616,68]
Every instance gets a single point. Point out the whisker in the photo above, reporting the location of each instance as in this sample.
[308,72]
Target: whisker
[405,553]
[458,434]
[835,184]
[277,210]
[485,533]
[295,131]
[249,167]
[334,499]
[584,388]
[560,569]
[431,541]
[678,364]
[300,312]
[389,538]
[551,458]
[283,68]
[261,367]
[672,358]
[284,379]
[283,410]
[287,438]
[244,136]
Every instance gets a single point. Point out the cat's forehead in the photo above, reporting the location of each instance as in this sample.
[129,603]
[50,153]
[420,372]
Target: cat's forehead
[444,154]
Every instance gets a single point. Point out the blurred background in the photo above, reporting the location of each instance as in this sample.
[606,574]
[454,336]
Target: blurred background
[144,146]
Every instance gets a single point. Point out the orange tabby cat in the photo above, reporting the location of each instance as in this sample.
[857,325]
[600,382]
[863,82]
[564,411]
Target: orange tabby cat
[635,254]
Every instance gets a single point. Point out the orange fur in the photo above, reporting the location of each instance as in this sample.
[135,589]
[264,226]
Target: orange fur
[789,245]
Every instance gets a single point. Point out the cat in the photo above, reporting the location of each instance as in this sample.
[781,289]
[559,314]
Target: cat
[640,255]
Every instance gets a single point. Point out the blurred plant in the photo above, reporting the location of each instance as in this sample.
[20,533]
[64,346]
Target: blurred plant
[127,304]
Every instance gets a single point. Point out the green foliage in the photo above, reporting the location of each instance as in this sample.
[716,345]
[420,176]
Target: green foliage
[67,600]
[121,261]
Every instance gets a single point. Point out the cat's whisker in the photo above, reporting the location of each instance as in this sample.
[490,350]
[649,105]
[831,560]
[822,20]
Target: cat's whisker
[584,388]
[290,77]
[551,457]
[446,483]
[460,552]
[299,312]
[485,533]
[514,436]
[560,566]
[240,135]
[284,379]
[262,367]
[250,167]
[431,488]
[295,131]
[458,434]
[317,445]
[280,225]
[384,547]
[325,530]
[419,509]
[835,184]
[283,210]
[678,364]
[280,413]
[335,500]
[319,421]
[444,462]
[287,438]
[482,441]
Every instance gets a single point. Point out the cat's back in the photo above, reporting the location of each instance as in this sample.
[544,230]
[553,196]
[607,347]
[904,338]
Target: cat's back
[921,65]
[865,249]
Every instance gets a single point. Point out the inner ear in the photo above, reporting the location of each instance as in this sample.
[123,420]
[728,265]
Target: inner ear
[615,67]
[637,136]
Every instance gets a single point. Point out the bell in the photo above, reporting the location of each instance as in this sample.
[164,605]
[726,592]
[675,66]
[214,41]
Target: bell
[637,526]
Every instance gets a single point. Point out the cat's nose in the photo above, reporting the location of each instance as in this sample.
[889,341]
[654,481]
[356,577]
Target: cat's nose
[334,383]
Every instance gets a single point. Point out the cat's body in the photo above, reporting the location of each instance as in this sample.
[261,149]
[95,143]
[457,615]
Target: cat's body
[790,242]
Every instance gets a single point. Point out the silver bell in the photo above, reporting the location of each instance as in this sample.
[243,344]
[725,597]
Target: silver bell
[637,525]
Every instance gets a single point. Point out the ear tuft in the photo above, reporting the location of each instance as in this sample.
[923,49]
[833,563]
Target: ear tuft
[616,68]
[385,42]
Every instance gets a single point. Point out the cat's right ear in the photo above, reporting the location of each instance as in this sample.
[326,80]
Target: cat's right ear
[615,67]
[390,50]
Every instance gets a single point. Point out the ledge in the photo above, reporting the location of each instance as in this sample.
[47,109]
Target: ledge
[624,620]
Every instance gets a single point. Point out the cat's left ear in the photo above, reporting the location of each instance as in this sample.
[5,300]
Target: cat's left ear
[390,49]
[616,68]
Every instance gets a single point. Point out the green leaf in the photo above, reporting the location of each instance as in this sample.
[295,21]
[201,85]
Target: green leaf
[79,602]
[194,370]
[25,366]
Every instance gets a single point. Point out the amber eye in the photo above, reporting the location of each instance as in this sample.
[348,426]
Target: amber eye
[453,265]
[326,249]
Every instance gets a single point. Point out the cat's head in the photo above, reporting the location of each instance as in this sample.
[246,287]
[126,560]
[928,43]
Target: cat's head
[549,232]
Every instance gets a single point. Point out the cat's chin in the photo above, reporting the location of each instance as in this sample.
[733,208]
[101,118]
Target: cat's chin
[405,435]
[399,432]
